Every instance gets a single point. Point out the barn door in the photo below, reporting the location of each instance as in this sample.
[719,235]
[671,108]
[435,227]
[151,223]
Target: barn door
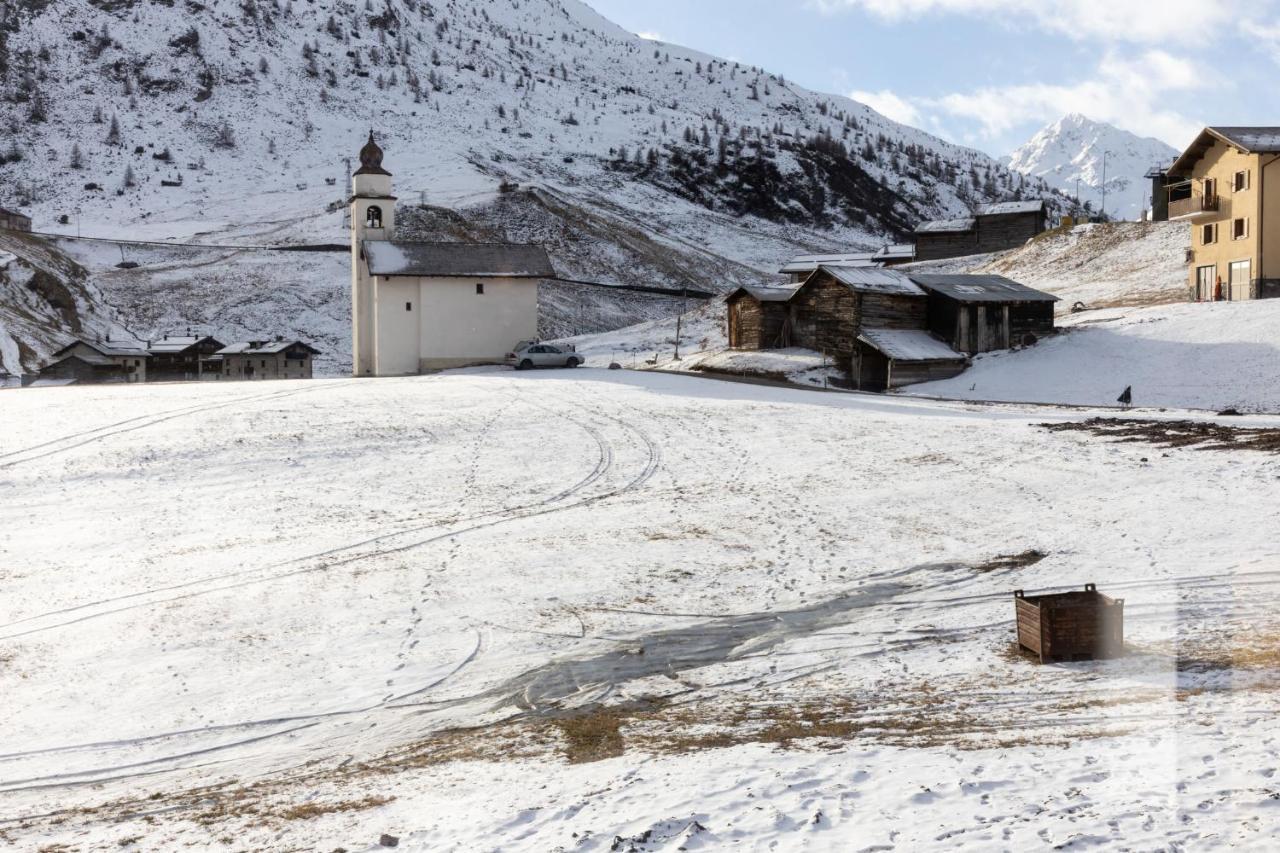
[735,326]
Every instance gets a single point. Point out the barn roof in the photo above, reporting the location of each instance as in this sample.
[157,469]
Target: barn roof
[981,288]
[873,280]
[457,260]
[1251,140]
[4,211]
[809,263]
[908,345]
[1003,208]
[765,294]
[947,226]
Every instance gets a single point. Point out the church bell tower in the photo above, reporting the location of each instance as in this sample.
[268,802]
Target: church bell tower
[373,218]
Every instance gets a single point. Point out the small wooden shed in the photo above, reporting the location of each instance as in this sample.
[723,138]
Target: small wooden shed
[758,318]
[1071,626]
[894,358]
[984,313]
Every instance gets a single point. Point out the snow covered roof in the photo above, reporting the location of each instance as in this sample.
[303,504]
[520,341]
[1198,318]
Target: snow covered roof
[264,348]
[981,288]
[901,251]
[809,263]
[766,294]
[177,343]
[947,226]
[908,345]
[1254,140]
[873,280]
[458,260]
[113,349]
[1004,208]
[4,211]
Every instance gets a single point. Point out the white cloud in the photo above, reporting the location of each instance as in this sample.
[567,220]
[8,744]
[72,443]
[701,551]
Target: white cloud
[1131,94]
[890,105]
[1140,21]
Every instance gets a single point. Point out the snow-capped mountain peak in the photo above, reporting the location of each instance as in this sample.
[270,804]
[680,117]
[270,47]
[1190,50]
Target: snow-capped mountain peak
[1076,150]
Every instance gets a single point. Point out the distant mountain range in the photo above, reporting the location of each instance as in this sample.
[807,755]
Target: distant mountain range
[1071,150]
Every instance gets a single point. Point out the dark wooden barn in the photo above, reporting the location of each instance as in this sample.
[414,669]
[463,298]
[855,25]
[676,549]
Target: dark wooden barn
[948,238]
[1009,224]
[984,313]
[992,228]
[893,358]
[11,220]
[759,318]
[180,358]
[832,308]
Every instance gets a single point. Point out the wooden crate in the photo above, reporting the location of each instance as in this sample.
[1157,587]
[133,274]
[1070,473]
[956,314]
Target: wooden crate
[1071,626]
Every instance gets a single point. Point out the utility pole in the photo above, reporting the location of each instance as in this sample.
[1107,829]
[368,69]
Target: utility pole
[684,305]
[1104,183]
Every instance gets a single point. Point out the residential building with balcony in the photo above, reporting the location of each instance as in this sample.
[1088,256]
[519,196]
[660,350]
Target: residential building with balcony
[1220,188]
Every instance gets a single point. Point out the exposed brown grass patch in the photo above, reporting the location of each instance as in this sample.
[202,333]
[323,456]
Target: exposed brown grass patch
[1197,435]
[592,736]
[1011,562]
[310,811]
[1251,653]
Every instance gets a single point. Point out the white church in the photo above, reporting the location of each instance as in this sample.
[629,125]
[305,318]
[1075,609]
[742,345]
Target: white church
[420,307]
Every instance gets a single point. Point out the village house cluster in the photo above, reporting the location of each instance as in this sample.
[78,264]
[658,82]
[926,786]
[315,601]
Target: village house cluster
[176,358]
[890,328]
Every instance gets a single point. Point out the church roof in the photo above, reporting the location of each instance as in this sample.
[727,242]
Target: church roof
[457,260]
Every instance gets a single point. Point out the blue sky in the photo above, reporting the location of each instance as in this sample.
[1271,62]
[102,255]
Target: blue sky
[990,73]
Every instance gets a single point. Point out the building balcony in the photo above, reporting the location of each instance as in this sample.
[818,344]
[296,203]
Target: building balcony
[1194,207]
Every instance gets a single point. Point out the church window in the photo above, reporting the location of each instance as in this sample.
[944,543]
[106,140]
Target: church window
[373,218]
[479,290]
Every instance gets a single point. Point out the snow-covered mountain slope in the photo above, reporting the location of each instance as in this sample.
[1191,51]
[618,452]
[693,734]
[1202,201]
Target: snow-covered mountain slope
[1072,149]
[1101,265]
[642,163]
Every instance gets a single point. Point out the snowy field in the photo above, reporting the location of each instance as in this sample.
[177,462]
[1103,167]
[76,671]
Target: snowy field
[1209,356]
[548,611]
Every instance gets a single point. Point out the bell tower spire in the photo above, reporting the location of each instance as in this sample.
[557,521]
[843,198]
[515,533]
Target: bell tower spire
[373,219]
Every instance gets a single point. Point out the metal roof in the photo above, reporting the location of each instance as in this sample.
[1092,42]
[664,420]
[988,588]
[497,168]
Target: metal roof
[908,345]
[809,263]
[1003,208]
[902,250]
[457,260]
[981,288]
[766,294]
[873,280]
[264,348]
[947,226]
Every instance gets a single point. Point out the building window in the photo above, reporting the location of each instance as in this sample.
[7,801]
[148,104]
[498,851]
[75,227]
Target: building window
[1209,234]
[373,218]
[408,306]
[1240,229]
[1240,182]
[1210,189]
[479,290]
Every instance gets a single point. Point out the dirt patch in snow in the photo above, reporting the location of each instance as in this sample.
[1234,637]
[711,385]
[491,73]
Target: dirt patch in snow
[1200,435]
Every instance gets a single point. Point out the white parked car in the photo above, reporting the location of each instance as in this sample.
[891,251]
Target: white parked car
[528,355]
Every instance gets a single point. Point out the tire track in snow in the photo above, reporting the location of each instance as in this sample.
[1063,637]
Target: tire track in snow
[602,467]
[652,463]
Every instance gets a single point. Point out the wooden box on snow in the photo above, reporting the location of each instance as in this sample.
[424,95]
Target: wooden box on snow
[1071,626]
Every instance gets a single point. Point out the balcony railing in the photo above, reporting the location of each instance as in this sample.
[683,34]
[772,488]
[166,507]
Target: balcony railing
[1196,205]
